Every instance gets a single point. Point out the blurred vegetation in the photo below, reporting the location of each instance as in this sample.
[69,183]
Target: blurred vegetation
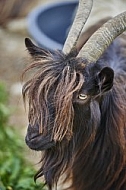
[15,172]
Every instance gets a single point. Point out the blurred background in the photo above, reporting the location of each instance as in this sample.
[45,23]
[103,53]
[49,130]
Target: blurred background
[17,162]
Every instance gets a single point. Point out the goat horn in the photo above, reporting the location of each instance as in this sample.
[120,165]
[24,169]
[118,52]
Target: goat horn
[102,38]
[82,15]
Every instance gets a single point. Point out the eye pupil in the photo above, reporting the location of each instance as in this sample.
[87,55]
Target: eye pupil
[82,96]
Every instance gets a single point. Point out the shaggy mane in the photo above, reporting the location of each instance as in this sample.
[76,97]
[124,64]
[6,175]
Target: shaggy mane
[59,77]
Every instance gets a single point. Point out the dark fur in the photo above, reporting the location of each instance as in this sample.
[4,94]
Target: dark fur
[85,139]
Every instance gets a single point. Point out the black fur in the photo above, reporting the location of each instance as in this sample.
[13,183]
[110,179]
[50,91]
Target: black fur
[83,138]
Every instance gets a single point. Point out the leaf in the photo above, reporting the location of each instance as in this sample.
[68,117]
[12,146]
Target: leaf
[2,187]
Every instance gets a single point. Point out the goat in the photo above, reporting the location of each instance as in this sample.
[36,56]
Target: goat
[77,106]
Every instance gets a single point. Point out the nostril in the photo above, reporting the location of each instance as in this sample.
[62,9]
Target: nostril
[32,131]
[30,143]
[32,140]
[33,135]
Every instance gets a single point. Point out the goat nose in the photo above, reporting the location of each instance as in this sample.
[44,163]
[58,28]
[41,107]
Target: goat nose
[27,139]
[32,139]
[32,133]
[33,130]
[30,143]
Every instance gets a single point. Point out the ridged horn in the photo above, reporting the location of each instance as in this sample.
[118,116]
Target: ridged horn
[102,38]
[81,17]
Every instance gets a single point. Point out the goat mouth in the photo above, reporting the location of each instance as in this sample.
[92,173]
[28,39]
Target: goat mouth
[39,142]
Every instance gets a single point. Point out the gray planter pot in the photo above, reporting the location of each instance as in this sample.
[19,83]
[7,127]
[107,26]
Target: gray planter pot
[49,24]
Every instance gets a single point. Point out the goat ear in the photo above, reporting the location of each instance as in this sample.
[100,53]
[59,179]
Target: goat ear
[105,78]
[34,50]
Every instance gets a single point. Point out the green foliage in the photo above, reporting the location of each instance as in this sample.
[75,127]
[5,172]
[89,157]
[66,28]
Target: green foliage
[4,111]
[15,172]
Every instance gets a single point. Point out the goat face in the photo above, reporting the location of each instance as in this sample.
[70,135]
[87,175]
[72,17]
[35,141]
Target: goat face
[61,85]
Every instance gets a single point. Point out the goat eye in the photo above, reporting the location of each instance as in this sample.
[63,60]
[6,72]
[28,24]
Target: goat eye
[82,96]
